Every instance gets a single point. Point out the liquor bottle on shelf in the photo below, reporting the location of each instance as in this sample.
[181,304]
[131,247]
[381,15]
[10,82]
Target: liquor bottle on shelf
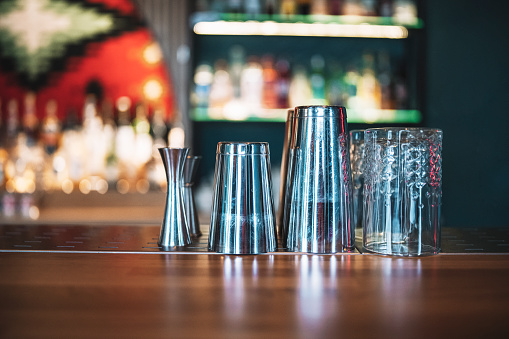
[73,149]
[143,147]
[336,88]
[304,7]
[400,92]
[368,7]
[283,82]
[94,137]
[369,87]
[351,79]
[21,167]
[109,124]
[221,91]
[253,8]
[110,132]
[159,128]
[352,7]
[385,80]
[271,7]
[50,129]
[335,7]
[385,8]
[8,131]
[270,94]
[300,92]
[219,6]
[235,6]
[29,163]
[317,79]
[288,7]
[405,11]
[251,86]
[30,122]
[203,77]
[124,145]
[319,7]
[237,60]
[12,127]
[33,154]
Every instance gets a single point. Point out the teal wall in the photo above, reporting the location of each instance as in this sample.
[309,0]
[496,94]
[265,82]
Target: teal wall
[467,95]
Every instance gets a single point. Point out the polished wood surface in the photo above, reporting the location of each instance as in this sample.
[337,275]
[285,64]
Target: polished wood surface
[108,295]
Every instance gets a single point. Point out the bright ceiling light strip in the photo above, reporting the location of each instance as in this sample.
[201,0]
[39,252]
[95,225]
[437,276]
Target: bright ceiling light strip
[299,29]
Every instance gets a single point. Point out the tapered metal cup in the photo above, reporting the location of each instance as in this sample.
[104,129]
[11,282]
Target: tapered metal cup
[319,184]
[242,220]
[189,174]
[174,231]
[281,234]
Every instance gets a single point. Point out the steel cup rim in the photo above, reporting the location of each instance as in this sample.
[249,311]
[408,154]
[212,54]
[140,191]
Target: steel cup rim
[399,129]
[243,148]
[320,111]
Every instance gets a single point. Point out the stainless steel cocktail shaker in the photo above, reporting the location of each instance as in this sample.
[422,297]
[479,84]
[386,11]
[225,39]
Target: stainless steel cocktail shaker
[318,197]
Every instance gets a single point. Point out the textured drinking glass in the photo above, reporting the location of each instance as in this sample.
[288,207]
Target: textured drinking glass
[284,176]
[356,161]
[402,191]
[318,206]
[242,220]
[174,230]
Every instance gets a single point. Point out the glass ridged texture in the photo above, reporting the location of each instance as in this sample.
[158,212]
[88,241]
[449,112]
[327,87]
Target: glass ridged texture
[318,204]
[402,191]
[242,220]
[357,163]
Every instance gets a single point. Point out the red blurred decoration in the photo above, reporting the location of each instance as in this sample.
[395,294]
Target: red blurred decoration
[117,64]
[126,7]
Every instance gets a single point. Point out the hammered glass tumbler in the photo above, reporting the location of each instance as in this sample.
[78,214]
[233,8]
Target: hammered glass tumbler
[402,191]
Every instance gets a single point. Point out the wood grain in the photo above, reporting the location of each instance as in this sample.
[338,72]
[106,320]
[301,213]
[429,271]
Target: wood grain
[64,295]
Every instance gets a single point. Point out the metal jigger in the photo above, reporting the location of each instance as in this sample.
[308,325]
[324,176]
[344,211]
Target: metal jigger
[174,231]
[318,206]
[193,222]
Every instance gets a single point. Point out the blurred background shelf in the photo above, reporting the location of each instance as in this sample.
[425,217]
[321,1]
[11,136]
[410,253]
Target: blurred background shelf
[279,115]
[303,25]
[413,22]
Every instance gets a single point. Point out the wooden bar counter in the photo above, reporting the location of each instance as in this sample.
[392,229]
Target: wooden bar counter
[280,295]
